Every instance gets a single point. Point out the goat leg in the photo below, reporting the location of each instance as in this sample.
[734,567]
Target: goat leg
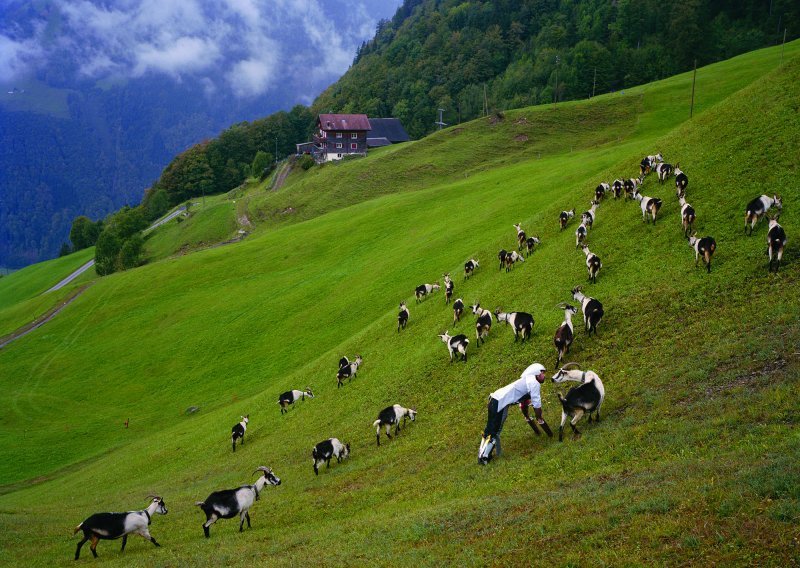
[124,542]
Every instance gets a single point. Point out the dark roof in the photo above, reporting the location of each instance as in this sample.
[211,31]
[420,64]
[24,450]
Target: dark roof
[378,142]
[389,128]
[333,122]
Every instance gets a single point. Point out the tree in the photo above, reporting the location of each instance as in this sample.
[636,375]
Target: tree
[78,234]
[106,252]
[156,204]
[261,164]
[131,251]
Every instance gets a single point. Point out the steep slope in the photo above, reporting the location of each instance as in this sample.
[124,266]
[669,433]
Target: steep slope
[692,462]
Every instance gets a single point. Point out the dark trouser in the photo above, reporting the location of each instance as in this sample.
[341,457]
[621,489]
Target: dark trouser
[494,422]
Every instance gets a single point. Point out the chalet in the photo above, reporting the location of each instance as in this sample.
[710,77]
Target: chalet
[341,135]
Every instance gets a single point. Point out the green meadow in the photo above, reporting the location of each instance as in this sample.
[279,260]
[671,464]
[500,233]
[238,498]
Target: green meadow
[694,461]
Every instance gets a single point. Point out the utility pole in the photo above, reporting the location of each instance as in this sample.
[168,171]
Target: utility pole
[594,83]
[694,77]
[439,122]
[555,91]
[783,44]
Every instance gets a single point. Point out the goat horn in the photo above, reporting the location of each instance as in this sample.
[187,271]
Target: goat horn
[154,497]
[262,468]
[570,364]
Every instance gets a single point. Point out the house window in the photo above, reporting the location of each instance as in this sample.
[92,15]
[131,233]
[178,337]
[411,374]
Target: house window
[354,135]
[338,145]
[354,146]
[338,135]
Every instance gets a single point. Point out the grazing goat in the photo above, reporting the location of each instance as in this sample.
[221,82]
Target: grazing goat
[328,449]
[601,190]
[588,216]
[512,258]
[469,267]
[520,236]
[631,185]
[424,289]
[644,167]
[704,247]
[593,264]
[758,208]
[687,214]
[402,317]
[111,526]
[521,323]
[502,257]
[237,432]
[580,235]
[391,416]
[228,503]
[458,309]
[348,371]
[565,332]
[618,187]
[448,288]
[484,323]
[776,241]
[591,308]
[531,242]
[586,398]
[455,344]
[292,396]
[664,171]
[649,205]
[681,181]
[564,218]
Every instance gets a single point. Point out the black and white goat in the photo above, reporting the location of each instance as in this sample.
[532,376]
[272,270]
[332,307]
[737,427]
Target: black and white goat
[687,214]
[650,205]
[565,332]
[580,235]
[618,187]
[704,247]
[228,503]
[681,181]
[402,316]
[776,241]
[586,398]
[593,264]
[757,208]
[348,371]
[455,344]
[531,242]
[292,396]
[390,416]
[588,216]
[501,256]
[449,286]
[327,450]
[424,289]
[520,236]
[111,526]
[631,186]
[237,432]
[664,171]
[458,309]
[644,167]
[601,190]
[512,258]
[592,309]
[564,218]
[469,267]
[520,322]
[484,323]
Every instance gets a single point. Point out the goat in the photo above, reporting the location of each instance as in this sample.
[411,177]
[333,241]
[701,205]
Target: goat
[592,309]
[776,241]
[704,247]
[502,258]
[631,185]
[681,181]
[649,205]
[565,332]
[687,214]
[585,398]
[531,242]
[455,344]
[448,288]
[458,309]
[664,170]
[758,207]
[237,432]
[484,323]
[469,267]
[593,264]
[512,258]
[402,317]
[644,167]
[111,526]
[588,216]
[601,190]
[391,416]
[228,503]
[348,371]
[424,289]
[580,235]
[618,187]
[520,236]
[521,323]
[292,396]
[564,218]
[328,449]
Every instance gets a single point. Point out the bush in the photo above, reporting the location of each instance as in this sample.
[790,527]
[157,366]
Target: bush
[306,162]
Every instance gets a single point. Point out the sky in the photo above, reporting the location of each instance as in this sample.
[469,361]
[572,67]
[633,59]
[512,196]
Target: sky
[244,47]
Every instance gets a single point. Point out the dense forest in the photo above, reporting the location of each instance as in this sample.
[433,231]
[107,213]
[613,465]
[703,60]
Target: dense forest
[443,53]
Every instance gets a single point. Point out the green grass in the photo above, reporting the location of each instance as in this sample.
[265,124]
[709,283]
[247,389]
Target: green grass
[692,463]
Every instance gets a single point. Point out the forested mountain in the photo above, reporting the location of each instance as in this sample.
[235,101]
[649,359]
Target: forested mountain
[443,53]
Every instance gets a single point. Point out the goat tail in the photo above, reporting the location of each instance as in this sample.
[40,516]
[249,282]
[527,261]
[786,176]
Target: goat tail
[376,423]
[563,401]
[199,503]
[77,529]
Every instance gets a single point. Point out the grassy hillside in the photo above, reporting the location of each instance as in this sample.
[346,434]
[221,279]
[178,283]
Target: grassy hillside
[693,461]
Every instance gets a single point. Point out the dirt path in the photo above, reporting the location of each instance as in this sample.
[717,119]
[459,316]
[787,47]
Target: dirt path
[286,169]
